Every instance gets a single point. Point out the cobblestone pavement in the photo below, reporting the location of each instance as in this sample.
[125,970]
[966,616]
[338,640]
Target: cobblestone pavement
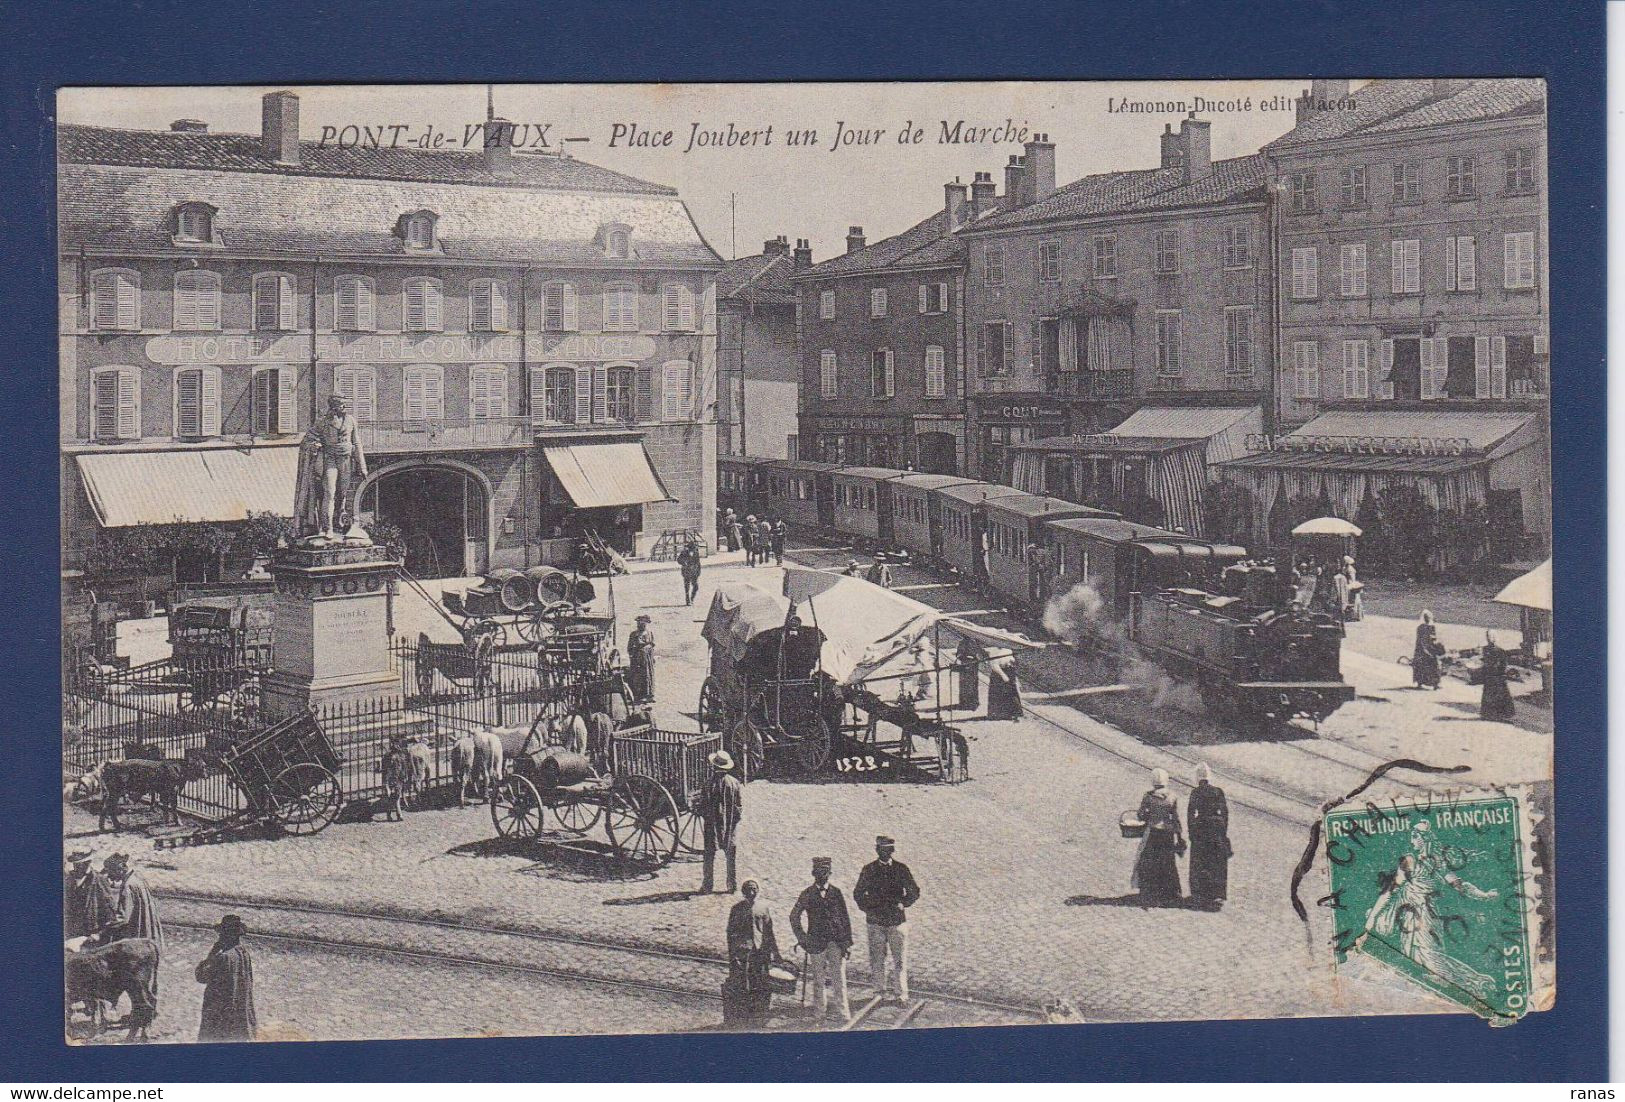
[1025,877]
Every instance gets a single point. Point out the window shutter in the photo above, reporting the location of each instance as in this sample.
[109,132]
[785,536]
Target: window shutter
[210,402]
[538,393]
[600,395]
[479,305]
[479,394]
[414,401]
[1481,367]
[981,348]
[107,405]
[924,304]
[1428,389]
[416,314]
[1467,264]
[1385,389]
[104,291]
[890,364]
[431,305]
[583,395]
[569,307]
[186,314]
[1450,264]
[499,304]
[347,306]
[1498,367]
[673,306]
[1396,256]
[285,421]
[497,384]
[434,397]
[189,403]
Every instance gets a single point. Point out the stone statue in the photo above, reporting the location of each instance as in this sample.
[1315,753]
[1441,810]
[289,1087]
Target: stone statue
[331,466]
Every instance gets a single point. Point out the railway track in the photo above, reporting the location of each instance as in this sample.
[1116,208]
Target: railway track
[704,973]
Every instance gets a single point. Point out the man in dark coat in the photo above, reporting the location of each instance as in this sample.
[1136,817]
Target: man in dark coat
[776,533]
[1496,700]
[227,974]
[1207,817]
[823,929]
[87,901]
[134,912]
[640,661]
[721,804]
[885,890]
[688,562]
[752,947]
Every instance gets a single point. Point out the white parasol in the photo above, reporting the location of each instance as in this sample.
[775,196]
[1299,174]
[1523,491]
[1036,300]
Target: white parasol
[1531,590]
[1326,526]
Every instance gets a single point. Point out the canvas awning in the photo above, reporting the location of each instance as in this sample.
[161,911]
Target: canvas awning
[605,475]
[188,486]
[1531,590]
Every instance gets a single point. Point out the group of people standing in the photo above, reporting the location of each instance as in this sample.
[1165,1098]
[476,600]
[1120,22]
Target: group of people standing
[1335,591]
[1427,669]
[760,539]
[1207,821]
[114,903]
[820,920]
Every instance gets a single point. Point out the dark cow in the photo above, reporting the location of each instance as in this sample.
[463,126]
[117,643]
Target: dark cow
[137,777]
[128,967]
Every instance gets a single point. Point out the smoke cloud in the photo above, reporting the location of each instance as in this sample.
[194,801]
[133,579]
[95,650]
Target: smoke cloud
[1083,618]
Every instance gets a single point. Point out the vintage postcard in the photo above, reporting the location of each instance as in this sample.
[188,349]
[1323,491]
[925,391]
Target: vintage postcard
[572,559]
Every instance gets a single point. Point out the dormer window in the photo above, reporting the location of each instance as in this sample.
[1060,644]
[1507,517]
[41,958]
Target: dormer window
[616,240]
[417,229]
[194,224]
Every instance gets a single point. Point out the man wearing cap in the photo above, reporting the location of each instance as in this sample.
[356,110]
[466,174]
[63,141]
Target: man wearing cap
[640,661]
[227,974]
[87,901]
[823,929]
[885,888]
[134,912]
[720,807]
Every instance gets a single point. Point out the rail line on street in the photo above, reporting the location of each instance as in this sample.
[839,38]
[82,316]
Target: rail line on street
[718,966]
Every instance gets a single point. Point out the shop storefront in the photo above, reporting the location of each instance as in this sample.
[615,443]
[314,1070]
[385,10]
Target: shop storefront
[857,441]
[598,484]
[1004,421]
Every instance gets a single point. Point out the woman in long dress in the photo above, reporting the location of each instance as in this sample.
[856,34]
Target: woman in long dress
[1003,686]
[1208,817]
[1156,873]
[1496,701]
[1425,655]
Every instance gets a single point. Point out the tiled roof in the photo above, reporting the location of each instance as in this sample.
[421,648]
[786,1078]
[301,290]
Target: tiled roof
[924,244]
[130,208]
[1145,189]
[763,279]
[242,153]
[1386,106]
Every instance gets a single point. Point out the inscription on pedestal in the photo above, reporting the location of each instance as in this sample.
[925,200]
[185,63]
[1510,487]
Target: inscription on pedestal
[331,627]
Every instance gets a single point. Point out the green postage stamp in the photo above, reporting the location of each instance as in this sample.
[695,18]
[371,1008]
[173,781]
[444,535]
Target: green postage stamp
[1439,889]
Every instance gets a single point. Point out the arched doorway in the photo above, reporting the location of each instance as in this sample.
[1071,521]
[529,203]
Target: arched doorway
[442,512]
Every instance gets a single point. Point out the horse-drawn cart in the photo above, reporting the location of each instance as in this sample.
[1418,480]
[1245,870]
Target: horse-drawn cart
[647,798]
[287,773]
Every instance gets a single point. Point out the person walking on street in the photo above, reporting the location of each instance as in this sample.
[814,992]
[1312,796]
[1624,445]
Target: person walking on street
[730,530]
[852,568]
[227,974]
[1425,655]
[720,807]
[750,540]
[879,572]
[1208,817]
[1003,685]
[688,562]
[1496,699]
[1156,871]
[777,532]
[885,890]
[134,912]
[640,664]
[823,928]
[752,947]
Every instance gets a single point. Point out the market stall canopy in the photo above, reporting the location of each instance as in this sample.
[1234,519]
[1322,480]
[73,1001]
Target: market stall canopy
[1327,526]
[606,474]
[1531,590]
[204,484]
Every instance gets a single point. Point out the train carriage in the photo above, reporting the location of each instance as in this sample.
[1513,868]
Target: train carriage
[1015,524]
[742,483]
[1118,557]
[863,504]
[963,511]
[800,492]
[916,513]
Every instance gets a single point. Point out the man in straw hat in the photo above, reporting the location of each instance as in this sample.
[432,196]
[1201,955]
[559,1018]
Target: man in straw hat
[720,806]
[227,974]
[823,929]
[885,890]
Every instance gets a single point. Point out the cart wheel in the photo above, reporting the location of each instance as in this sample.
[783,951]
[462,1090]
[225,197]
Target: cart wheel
[711,715]
[516,808]
[813,746]
[533,628]
[425,674]
[642,820]
[691,832]
[748,751]
[577,815]
[305,798]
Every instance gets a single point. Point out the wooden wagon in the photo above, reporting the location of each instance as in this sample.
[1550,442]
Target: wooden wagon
[288,774]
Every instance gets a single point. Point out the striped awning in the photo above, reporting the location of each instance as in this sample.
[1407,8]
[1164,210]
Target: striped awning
[606,475]
[167,487]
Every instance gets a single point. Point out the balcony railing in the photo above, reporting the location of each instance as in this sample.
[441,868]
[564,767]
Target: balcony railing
[445,434]
[1091,384]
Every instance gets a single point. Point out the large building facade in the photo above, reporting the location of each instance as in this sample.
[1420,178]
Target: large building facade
[528,342]
[1412,279]
[1132,289]
[882,347]
[758,371]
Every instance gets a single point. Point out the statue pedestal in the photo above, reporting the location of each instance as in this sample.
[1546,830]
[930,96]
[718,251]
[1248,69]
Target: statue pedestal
[330,631]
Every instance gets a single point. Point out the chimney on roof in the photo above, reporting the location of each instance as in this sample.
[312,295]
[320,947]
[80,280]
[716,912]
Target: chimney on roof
[279,127]
[1449,87]
[1323,95]
[1195,147]
[854,238]
[499,136]
[776,246]
[189,126]
[1171,152]
[1039,179]
[982,190]
[953,205]
[803,254]
[1013,186]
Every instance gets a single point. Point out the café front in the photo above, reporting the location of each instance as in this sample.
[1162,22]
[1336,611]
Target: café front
[1004,421]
